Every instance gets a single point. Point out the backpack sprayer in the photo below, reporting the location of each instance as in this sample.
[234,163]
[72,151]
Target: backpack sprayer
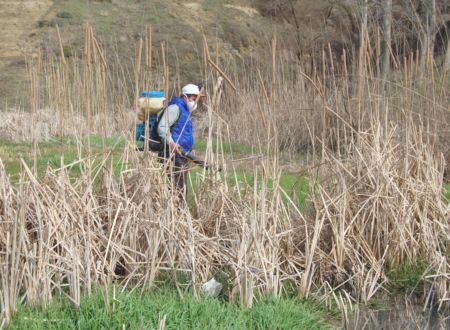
[151,104]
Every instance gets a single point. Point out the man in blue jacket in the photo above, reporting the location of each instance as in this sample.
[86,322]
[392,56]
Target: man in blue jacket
[175,130]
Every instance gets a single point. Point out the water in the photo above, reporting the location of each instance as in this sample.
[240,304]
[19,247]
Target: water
[399,313]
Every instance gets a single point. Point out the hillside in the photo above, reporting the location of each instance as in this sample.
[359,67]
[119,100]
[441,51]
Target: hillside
[238,28]
[233,27]
[18,20]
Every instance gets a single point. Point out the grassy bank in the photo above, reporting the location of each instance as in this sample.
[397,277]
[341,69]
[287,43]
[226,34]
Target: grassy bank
[50,153]
[146,309]
[70,149]
[55,152]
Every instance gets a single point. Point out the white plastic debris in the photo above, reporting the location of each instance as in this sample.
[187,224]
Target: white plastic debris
[212,288]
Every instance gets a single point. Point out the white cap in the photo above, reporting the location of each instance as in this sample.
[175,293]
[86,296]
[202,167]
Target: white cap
[190,89]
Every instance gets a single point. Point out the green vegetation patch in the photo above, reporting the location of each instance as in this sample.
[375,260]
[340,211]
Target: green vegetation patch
[408,277]
[55,152]
[67,150]
[144,309]
[111,17]
[64,14]
[294,187]
[201,144]
[446,191]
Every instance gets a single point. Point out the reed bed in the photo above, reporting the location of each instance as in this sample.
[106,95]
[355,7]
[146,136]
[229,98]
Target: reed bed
[380,207]
[42,125]
[375,202]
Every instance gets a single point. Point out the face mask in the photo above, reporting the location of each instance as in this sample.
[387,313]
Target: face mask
[191,105]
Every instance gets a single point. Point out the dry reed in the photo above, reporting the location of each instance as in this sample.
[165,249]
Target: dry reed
[376,203]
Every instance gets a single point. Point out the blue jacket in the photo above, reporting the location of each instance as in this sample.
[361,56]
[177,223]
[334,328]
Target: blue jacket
[182,130]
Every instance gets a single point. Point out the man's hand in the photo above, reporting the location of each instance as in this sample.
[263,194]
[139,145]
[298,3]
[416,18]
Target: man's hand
[175,148]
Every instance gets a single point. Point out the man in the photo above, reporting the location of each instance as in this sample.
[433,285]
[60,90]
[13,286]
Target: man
[175,130]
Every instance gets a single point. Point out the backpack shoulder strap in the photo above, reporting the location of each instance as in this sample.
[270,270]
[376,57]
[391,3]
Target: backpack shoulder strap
[166,109]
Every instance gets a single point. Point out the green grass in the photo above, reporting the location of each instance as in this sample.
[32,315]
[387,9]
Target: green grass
[407,277]
[142,310]
[201,144]
[295,187]
[50,153]
[446,191]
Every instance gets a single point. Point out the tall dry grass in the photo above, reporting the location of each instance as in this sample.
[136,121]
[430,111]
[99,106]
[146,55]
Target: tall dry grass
[381,206]
[376,190]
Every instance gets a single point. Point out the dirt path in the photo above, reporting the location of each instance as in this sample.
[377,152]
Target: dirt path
[17,20]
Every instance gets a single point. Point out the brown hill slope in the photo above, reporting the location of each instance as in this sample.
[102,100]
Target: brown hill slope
[233,27]
[17,22]
[239,28]
[17,27]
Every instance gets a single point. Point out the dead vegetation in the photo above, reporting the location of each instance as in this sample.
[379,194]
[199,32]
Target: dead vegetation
[380,206]
[376,188]
[384,207]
